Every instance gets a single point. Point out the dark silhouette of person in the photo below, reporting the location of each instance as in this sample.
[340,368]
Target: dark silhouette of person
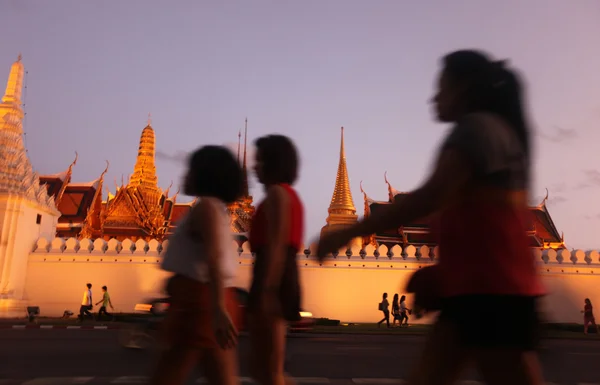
[384,306]
[588,316]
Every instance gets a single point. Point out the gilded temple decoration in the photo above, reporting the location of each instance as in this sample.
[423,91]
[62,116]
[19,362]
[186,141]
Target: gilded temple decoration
[137,209]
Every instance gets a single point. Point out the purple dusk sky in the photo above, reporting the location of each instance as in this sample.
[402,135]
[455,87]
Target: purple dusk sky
[302,68]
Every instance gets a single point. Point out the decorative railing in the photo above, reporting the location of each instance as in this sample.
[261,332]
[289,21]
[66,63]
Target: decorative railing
[421,254]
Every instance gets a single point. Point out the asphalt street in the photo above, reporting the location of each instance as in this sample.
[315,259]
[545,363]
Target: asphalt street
[30,354]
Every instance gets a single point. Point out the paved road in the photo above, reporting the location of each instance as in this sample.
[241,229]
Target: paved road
[96,355]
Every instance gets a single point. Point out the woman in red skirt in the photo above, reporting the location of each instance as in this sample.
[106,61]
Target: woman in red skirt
[486,282]
[275,239]
[202,320]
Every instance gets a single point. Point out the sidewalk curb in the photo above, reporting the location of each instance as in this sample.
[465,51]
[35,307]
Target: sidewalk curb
[70,327]
[425,333]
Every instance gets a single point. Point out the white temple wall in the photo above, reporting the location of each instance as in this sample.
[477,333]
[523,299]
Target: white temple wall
[347,289]
[19,234]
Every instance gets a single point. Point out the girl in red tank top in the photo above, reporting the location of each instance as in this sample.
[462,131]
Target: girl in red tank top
[486,283]
[275,239]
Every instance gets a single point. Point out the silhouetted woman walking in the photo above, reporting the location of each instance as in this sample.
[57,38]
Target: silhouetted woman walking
[486,282]
[588,316]
[276,238]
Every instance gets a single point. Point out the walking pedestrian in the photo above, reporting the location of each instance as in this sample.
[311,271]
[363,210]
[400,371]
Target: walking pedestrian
[201,324]
[488,284]
[275,238]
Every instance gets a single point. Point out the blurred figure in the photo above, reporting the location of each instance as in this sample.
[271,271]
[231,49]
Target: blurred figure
[487,292]
[202,320]
[588,316]
[276,238]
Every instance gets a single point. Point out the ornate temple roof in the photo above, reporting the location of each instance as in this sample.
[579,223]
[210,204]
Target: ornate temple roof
[542,231]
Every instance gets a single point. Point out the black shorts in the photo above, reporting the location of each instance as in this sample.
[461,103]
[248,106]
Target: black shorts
[494,321]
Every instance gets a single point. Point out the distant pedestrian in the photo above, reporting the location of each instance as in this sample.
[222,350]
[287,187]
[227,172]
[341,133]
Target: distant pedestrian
[105,303]
[396,310]
[404,311]
[588,316]
[86,303]
[384,306]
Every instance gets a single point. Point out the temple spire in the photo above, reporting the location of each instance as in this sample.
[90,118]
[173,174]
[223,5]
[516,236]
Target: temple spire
[239,143]
[14,86]
[17,177]
[342,212]
[144,171]
[244,168]
[341,201]
[149,119]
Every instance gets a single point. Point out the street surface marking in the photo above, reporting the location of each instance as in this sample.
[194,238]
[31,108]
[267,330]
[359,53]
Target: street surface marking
[59,381]
[378,381]
[298,380]
[46,326]
[243,380]
[583,354]
[73,327]
[18,327]
[131,380]
[359,348]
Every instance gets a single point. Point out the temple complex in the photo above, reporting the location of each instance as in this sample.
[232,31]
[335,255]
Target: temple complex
[139,209]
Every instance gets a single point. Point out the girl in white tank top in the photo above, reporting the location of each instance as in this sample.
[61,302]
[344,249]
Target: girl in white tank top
[186,254]
[203,318]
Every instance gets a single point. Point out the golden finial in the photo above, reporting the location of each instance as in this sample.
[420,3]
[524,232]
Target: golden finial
[149,119]
[543,202]
[105,170]
[168,189]
[174,198]
[245,170]
[239,144]
[19,57]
